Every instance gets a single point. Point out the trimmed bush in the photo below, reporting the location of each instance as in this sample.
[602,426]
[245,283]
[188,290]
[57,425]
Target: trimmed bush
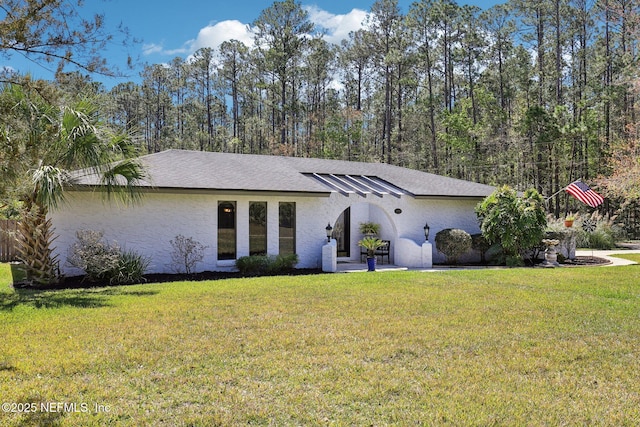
[266,265]
[281,264]
[254,265]
[453,242]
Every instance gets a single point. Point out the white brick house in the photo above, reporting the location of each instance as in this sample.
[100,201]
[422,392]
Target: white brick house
[239,204]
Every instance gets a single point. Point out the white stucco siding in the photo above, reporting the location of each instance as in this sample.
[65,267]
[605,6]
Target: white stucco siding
[149,227]
[440,213]
[444,213]
[146,228]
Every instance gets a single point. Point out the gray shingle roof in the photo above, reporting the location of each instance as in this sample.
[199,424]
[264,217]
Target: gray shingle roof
[197,170]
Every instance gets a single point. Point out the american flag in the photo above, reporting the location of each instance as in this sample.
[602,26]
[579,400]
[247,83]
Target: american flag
[586,195]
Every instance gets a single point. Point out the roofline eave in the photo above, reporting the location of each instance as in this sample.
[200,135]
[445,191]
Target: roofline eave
[447,196]
[212,191]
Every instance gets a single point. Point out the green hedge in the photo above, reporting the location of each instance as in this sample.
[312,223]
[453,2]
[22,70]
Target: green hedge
[266,265]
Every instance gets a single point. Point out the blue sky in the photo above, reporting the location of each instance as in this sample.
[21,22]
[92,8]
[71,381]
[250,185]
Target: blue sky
[169,28]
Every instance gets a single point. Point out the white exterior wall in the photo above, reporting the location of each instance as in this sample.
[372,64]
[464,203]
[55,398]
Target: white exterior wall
[149,227]
[440,213]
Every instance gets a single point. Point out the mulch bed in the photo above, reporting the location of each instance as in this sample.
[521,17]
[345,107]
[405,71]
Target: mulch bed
[77,282]
[580,261]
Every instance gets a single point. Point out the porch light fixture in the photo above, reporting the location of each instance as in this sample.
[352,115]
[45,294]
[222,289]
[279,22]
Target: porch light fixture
[426,231]
[329,230]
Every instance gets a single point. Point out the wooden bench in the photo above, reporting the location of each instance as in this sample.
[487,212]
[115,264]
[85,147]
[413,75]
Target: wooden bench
[381,252]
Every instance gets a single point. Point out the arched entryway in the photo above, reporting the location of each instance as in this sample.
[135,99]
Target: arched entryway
[346,229]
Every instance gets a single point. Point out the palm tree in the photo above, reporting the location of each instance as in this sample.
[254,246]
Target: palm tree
[45,142]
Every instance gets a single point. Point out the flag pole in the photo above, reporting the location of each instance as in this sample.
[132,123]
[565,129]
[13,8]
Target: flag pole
[560,191]
[556,193]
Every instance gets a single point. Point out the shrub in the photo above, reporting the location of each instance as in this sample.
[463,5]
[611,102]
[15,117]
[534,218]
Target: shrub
[259,265]
[281,264]
[453,242]
[90,254]
[101,261]
[480,244]
[186,253]
[599,239]
[254,265]
[130,269]
[516,223]
[605,235]
[607,232]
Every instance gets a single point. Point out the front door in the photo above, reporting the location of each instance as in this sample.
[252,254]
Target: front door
[342,233]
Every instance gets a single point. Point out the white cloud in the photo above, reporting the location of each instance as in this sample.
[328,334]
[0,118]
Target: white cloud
[154,48]
[337,27]
[151,48]
[212,35]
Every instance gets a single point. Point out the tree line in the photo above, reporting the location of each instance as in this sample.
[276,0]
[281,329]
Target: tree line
[532,93]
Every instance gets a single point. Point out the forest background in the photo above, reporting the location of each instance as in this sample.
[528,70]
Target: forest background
[530,93]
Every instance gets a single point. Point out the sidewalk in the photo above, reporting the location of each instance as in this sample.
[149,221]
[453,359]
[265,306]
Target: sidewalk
[352,267]
[349,267]
[607,255]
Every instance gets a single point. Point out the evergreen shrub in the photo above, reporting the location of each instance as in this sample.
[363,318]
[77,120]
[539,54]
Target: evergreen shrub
[266,265]
[453,242]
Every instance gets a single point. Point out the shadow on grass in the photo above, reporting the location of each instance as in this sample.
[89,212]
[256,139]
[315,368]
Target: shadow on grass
[80,298]
[41,418]
[42,413]
[53,297]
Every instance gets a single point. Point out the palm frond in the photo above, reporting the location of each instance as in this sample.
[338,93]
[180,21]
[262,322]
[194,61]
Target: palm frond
[122,179]
[79,145]
[48,185]
[46,140]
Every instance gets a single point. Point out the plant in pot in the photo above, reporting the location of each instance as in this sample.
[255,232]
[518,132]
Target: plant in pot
[371,244]
[568,221]
[369,228]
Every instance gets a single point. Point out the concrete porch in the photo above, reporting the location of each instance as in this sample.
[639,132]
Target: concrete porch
[351,267]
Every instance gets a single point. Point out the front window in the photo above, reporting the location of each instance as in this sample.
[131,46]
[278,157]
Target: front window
[226,230]
[287,214]
[257,228]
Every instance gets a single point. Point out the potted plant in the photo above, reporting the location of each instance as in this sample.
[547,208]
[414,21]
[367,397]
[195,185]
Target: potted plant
[371,244]
[568,221]
[369,228]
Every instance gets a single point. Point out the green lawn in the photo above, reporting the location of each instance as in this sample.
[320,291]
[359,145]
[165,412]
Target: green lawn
[490,347]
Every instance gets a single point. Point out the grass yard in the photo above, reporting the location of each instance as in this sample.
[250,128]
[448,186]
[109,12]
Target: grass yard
[489,347]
